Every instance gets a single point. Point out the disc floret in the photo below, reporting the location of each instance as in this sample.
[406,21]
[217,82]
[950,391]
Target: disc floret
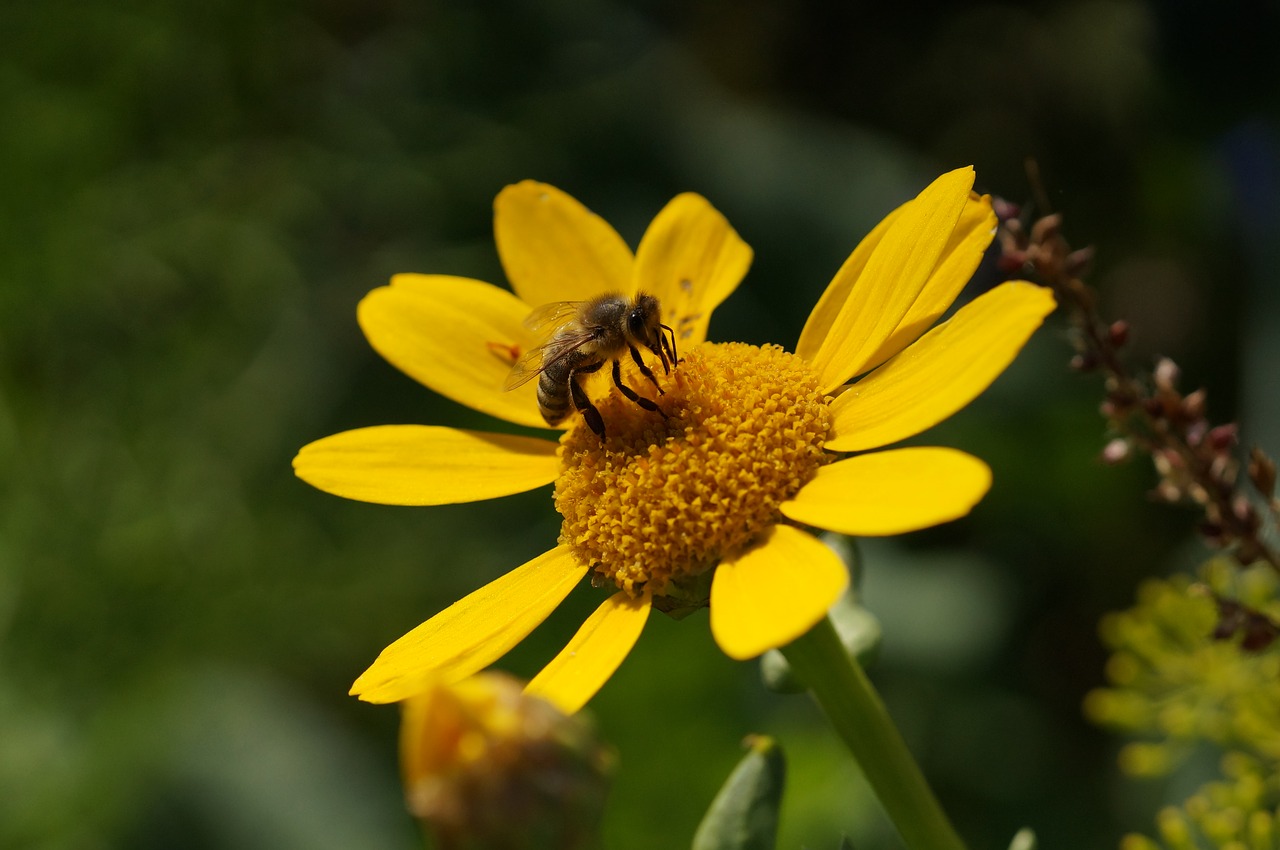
[664,498]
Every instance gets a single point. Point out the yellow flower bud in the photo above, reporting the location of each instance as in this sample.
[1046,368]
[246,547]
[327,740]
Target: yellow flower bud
[485,765]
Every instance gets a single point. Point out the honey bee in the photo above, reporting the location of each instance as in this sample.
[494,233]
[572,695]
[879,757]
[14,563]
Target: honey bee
[581,336]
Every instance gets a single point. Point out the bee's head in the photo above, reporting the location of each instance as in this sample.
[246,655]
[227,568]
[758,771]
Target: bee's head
[644,322]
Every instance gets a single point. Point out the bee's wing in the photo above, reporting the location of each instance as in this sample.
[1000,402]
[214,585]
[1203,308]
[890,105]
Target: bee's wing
[549,318]
[526,368]
[534,361]
[548,322]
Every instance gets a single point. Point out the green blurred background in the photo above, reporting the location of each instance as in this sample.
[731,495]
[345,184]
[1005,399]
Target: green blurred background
[193,197]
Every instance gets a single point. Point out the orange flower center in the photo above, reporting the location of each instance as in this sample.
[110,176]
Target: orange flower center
[664,498]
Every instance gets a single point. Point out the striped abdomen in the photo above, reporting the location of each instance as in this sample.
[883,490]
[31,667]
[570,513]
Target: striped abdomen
[553,388]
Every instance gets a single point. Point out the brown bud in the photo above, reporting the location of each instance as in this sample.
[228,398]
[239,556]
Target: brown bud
[1223,470]
[1078,261]
[1116,451]
[1194,404]
[1257,631]
[1012,260]
[1118,333]
[1242,510]
[1085,362]
[1262,472]
[1231,619]
[1259,634]
[1223,438]
[1166,374]
[1195,432]
[1046,228]
[1005,209]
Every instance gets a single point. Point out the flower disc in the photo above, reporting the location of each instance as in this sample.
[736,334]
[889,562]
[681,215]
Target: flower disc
[666,496]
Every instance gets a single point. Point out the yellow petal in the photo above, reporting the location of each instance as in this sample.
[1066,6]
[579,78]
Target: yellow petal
[425,465]
[573,677]
[960,258]
[691,260]
[773,592]
[555,249]
[942,371]
[823,315]
[891,492]
[460,337]
[892,279]
[473,632]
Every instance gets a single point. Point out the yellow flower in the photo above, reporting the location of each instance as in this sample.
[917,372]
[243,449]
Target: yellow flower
[706,500]
[486,765]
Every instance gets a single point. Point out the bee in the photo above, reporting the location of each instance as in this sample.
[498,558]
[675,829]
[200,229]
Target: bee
[581,337]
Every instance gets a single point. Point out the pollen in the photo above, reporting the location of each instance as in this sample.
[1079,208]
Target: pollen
[666,496]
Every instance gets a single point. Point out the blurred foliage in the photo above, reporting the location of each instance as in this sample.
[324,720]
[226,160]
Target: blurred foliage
[195,196]
[1189,697]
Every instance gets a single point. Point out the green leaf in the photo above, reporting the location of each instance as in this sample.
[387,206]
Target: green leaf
[744,815]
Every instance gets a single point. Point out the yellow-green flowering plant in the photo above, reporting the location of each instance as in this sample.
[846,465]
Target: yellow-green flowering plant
[705,494]
[1176,689]
[1195,664]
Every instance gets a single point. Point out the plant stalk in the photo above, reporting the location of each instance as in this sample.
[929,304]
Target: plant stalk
[853,706]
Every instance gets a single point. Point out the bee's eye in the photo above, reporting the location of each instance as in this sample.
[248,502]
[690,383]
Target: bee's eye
[635,323]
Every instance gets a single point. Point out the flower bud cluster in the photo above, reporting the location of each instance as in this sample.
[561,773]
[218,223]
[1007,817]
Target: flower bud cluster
[1238,812]
[1173,684]
[1148,413]
[1175,688]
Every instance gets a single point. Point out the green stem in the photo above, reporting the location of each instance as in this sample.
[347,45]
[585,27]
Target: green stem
[845,693]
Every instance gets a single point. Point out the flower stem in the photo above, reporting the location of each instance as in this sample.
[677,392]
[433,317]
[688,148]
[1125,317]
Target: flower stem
[855,710]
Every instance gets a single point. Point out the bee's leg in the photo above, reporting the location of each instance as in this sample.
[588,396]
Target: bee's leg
[647,404]
[668,345]
[644,370]
[583,404]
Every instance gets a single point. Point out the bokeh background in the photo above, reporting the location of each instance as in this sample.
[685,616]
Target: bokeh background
[194,196]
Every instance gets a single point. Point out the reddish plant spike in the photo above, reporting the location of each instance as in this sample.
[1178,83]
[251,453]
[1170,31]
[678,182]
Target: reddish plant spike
[1262,472]
[1194,460]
